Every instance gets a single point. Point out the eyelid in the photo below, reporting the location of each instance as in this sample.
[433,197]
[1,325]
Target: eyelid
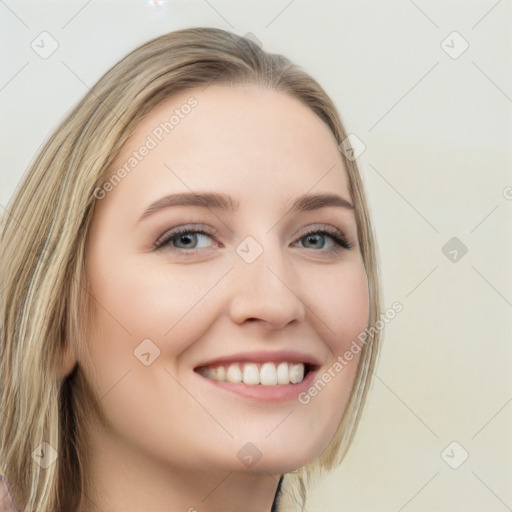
[338,236]
[183,228]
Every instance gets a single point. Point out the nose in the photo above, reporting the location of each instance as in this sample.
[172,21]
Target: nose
[266,291]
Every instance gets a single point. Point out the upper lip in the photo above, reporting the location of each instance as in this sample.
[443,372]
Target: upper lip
[290,356]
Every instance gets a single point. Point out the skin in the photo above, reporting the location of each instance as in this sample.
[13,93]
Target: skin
[171,438]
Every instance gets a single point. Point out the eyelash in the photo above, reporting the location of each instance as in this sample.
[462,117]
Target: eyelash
[335,234]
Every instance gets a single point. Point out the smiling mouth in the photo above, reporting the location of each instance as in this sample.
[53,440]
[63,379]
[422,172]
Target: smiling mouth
[257,374]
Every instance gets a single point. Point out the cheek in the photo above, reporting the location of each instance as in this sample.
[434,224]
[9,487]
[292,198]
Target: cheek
[343,307]
[151,300]
[343,311]
[135,303]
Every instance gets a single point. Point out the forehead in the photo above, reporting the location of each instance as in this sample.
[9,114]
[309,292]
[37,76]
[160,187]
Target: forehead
[241,137]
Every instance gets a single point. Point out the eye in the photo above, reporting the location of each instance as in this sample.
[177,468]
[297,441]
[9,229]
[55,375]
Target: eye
[317,236]
[183,238]
[190,239]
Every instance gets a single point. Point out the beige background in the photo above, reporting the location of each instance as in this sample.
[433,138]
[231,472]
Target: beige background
[437,165]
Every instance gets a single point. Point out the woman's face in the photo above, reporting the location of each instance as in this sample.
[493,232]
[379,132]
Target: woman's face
[254,288]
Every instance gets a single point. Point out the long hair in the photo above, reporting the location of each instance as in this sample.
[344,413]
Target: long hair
[44,300]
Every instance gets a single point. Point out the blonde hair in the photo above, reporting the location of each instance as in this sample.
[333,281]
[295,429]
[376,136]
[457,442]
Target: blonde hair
[44,300]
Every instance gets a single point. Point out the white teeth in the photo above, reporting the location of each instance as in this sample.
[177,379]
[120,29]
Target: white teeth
[234,374]
[296,372]
[268,374]
[282,374]
[252,374]
[221,374]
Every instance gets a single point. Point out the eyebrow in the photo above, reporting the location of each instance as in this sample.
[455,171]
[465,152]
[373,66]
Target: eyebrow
[220,201]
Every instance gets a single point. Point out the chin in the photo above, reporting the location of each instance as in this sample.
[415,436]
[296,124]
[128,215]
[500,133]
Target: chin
[278,456]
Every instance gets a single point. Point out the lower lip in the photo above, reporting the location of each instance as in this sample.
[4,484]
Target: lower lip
[279,393]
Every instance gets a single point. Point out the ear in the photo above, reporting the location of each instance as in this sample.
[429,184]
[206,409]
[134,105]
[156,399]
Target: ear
[67,361]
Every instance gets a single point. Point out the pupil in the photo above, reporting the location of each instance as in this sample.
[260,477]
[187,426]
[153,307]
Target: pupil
[313,238]
[186,238]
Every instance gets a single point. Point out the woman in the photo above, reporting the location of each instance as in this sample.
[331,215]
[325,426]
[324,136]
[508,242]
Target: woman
[188,273]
